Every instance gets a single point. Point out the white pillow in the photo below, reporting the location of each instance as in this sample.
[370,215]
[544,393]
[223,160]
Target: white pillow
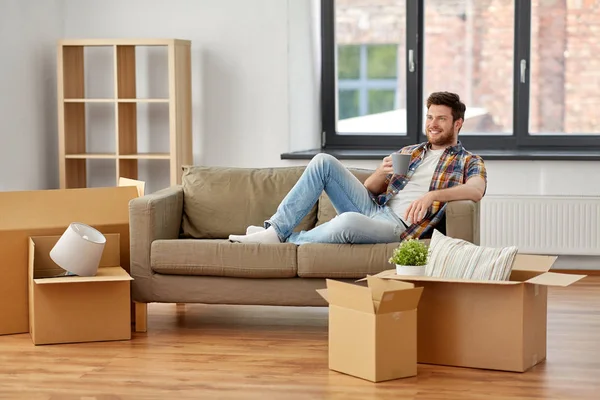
[458,259]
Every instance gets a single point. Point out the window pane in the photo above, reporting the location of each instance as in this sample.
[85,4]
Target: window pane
[348,100]
[381,101]
[348,62]
[565,68]
[469,49]
[381,61]
[370,68]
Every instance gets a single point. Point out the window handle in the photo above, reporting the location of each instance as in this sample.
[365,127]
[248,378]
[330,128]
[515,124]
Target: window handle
[411,61]
[523,69]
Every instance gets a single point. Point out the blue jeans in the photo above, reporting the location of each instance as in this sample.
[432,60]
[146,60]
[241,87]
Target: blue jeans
[360,220]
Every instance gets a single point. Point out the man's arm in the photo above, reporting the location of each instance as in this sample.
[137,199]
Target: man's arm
[377,183]
[473,189]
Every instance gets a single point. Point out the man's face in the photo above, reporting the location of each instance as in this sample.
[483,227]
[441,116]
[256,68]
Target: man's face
[440,129]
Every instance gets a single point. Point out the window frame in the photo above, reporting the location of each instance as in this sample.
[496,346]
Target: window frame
[519,139]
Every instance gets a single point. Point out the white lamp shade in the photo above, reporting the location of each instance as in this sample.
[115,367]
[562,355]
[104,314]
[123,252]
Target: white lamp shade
[79,250]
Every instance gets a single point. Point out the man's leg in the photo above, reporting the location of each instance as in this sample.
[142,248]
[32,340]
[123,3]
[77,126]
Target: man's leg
[355,228]
[323,173]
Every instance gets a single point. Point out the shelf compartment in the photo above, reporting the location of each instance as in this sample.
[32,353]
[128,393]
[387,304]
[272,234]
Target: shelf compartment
[144,129]
[73,75]
[101,173]
[75,173]
[154,172]
[99,72]
[143,72]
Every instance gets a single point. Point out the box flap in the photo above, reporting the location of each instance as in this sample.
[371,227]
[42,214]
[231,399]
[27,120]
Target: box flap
[105,274]
[555,279]
[323,293]
[42,209]
[140,185]
[532,262]
[348,295]
[400,300]
[391,274]
[379,285]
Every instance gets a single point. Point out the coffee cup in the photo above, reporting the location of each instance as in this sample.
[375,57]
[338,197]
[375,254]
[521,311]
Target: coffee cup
[400,162]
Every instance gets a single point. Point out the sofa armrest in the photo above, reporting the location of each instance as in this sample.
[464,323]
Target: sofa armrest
[151,217]
[462,220]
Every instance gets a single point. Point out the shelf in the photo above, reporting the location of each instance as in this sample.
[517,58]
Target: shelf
[145,156]
[125,110]
[88,156]
[116,100]
[89,100]
[143,100]
[124,42]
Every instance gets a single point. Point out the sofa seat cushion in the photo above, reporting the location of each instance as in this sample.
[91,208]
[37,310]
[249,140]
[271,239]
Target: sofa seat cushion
[344,260]
[223,258]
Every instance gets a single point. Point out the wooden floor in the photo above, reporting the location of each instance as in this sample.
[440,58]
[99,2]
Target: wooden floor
[227,352]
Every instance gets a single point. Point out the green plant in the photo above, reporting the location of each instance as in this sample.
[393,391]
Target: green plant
[410,252]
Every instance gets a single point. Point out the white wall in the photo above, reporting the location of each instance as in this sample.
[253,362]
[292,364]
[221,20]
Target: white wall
[28,132]
[240,67]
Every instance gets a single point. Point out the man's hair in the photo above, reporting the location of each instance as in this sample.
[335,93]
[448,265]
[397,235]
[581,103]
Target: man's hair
[451,100]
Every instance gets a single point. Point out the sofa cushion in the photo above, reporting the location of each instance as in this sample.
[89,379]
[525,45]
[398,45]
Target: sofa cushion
[223,258]
[458,259]
[219,201]
[344,260]
[326,210]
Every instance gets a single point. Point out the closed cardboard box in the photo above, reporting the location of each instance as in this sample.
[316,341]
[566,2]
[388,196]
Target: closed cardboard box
[73,309]
[498,325]
[373,330]
[49,212]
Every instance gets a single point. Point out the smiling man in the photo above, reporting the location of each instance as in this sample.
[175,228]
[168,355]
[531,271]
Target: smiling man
[387,208]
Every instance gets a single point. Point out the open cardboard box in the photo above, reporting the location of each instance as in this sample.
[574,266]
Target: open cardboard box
[498,325]
[49,212]
[373,330]
[72,309]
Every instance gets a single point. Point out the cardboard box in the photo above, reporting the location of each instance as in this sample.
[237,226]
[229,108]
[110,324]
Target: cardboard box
[49,212]
[373,330]
[76,309]
[498,325]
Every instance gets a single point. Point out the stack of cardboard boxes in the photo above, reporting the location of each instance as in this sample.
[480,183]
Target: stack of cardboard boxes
[52,309]
[497,325]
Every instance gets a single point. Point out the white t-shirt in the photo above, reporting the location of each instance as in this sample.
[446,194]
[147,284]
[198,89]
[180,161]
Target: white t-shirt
[418,184]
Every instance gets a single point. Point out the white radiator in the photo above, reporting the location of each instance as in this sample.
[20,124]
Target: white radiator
[542,224]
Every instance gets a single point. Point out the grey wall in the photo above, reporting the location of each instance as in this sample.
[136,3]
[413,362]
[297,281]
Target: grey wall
[28,133]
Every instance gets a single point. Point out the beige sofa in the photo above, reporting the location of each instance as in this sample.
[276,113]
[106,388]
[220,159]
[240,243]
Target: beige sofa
[180,252]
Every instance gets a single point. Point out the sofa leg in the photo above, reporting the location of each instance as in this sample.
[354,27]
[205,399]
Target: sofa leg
[141,317]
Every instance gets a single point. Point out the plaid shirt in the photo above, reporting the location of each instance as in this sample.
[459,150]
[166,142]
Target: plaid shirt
[455,167]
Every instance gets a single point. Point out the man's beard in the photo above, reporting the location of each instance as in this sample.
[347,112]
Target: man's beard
[445,138]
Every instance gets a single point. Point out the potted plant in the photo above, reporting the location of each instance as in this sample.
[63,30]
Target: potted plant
[410,257]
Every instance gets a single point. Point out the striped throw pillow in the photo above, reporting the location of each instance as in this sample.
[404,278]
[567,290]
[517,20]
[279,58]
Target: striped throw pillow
[458,259]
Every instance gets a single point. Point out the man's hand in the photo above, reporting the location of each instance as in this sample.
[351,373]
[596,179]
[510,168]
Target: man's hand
[377,183]
[386,166]
[418,208]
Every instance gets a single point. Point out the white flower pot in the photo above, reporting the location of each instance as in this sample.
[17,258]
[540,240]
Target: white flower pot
[410,270]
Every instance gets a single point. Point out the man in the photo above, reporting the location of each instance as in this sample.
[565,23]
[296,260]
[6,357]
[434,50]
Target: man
[387,208]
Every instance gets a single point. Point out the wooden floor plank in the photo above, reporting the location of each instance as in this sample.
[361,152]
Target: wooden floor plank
[233,352]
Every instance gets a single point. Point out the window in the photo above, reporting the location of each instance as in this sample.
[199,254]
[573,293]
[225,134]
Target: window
[527,71]
[367,85]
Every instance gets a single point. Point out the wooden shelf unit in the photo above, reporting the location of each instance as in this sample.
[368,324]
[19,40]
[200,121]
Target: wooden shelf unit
[72,105]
